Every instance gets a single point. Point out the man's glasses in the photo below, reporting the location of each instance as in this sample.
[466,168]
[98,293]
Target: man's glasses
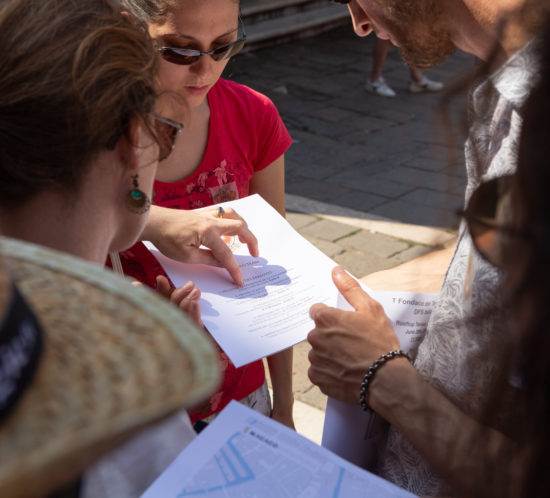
[167,132]
[187,56]
[488,211]
[341,1]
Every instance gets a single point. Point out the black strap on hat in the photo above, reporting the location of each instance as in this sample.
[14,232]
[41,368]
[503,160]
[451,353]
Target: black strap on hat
[21,340]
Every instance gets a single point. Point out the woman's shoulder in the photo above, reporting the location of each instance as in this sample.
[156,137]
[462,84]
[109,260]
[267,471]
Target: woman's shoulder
[240,95]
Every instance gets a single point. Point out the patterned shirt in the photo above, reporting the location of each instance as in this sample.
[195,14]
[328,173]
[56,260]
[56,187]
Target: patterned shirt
[453,355]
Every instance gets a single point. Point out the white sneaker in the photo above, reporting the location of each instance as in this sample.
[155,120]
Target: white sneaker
[379,87]
[425,85]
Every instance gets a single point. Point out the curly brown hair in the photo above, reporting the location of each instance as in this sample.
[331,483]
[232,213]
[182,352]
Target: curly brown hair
[528,283]
[72,76]
[519,401]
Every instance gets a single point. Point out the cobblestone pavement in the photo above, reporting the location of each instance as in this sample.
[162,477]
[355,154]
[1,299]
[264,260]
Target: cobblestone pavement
[370,181]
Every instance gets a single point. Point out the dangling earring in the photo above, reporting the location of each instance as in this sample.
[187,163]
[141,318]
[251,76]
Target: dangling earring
[136,200]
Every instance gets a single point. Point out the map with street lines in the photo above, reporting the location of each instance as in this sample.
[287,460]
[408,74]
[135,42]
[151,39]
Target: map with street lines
[243,454]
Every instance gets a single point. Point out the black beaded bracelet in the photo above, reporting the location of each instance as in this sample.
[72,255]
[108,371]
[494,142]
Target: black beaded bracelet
[371,371]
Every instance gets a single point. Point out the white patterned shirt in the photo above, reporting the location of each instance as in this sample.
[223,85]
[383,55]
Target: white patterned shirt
[453,355]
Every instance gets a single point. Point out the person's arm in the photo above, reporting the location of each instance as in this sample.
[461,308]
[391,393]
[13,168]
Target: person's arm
[280,371]
[179,234]
[345,344]
[422,274]
[459,449]
[270,184]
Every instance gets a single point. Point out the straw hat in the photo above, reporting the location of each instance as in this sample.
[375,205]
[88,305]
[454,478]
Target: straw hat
[115,357]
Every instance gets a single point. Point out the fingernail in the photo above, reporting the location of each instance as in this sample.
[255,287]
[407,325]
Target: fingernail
[187,286]
[313,311]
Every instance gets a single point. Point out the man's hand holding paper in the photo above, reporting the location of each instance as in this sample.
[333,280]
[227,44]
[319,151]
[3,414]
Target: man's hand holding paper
[346,343]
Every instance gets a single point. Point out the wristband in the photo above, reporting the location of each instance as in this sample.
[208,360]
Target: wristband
[372,370]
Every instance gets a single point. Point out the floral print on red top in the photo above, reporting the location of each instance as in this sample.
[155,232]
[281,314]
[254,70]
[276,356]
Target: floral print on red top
[226,182]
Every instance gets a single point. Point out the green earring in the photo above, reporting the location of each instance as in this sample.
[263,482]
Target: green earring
[136,200]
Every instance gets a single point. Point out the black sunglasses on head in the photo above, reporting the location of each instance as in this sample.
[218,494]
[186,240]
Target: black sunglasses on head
[187,56]
[167,132]
[341,1]
[486,216]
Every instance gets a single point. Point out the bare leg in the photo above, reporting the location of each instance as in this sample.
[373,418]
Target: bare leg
[416,74]
[381,48]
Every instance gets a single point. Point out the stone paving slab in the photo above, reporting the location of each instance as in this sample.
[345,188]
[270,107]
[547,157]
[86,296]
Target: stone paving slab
[429,236]
[327,230]
[300,220]
[361,262]
[412,252]
[355,178]
[331,249]
[381,245]
[411,212]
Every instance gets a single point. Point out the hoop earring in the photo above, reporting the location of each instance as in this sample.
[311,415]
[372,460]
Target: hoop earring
[136,200]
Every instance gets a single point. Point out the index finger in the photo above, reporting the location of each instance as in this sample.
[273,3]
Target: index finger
[240,229]
[224,257]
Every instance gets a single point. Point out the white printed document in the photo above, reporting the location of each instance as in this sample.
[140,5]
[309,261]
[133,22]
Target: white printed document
[348,430]
[243,453]
[271,312]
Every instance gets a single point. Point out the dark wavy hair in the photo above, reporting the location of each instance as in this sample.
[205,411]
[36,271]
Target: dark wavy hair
[528,284]
[519,402]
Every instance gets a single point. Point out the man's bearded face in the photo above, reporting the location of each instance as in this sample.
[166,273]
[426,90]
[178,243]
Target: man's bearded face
[418,27]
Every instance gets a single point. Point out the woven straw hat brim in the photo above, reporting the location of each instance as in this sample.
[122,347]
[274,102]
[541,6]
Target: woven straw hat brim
[116,357]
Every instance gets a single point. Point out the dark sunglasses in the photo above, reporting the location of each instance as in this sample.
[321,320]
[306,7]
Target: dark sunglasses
[484,214]
[187,56]
[341,1]
[167,132]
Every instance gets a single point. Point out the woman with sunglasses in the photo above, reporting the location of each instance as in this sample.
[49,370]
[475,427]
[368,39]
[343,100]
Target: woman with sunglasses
[233,146]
